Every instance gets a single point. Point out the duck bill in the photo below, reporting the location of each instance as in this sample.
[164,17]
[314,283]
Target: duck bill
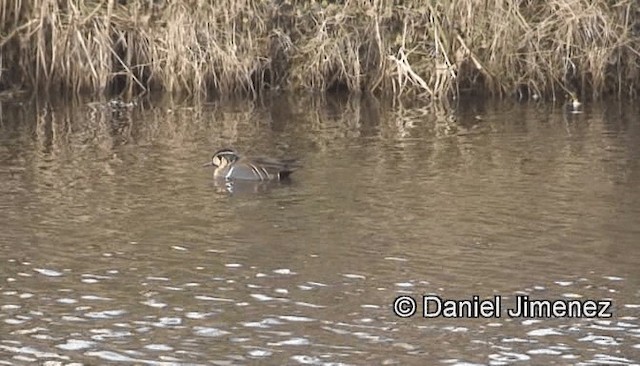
[207,164]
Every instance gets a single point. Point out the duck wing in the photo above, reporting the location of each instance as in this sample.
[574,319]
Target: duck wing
[281,168]
[276,164]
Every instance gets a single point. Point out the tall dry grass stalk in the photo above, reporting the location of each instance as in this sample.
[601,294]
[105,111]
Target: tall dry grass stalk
[422,48]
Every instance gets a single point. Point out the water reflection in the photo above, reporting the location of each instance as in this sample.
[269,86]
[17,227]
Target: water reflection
[118,247]
[249,188]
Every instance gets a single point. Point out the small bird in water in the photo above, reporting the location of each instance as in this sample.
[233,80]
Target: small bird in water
[229,165]
[574,104]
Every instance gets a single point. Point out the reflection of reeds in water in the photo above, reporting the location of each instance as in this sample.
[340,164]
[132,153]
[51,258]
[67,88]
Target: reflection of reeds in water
[419,48]
[272,126]
[79,149]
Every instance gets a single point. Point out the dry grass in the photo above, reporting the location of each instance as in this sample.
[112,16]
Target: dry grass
[420,48]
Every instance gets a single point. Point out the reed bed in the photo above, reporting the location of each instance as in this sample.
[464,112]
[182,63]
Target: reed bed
[423,48]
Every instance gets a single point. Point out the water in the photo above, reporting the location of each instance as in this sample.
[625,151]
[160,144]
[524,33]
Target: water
[116,246]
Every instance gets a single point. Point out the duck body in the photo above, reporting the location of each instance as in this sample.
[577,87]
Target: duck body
[229,165]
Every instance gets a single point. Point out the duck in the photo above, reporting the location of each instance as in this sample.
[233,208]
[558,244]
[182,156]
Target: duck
[230,166]
[573,104]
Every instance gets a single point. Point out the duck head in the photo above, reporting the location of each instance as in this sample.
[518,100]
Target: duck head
[222,158]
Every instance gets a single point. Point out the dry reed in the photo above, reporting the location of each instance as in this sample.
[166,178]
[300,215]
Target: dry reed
[422,48]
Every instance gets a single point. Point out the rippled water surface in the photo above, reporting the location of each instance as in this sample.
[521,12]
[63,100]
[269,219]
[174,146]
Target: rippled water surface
[116,246]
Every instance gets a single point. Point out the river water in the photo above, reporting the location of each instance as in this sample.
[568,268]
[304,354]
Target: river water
[116,246]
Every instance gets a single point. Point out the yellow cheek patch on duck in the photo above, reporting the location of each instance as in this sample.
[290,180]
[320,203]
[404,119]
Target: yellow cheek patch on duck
[219,162]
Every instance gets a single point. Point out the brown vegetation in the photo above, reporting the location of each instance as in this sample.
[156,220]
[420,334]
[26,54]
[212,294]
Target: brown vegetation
[434,49]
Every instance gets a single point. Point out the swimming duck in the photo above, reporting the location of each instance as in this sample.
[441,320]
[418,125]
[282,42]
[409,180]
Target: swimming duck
[229,165]
[573,103]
